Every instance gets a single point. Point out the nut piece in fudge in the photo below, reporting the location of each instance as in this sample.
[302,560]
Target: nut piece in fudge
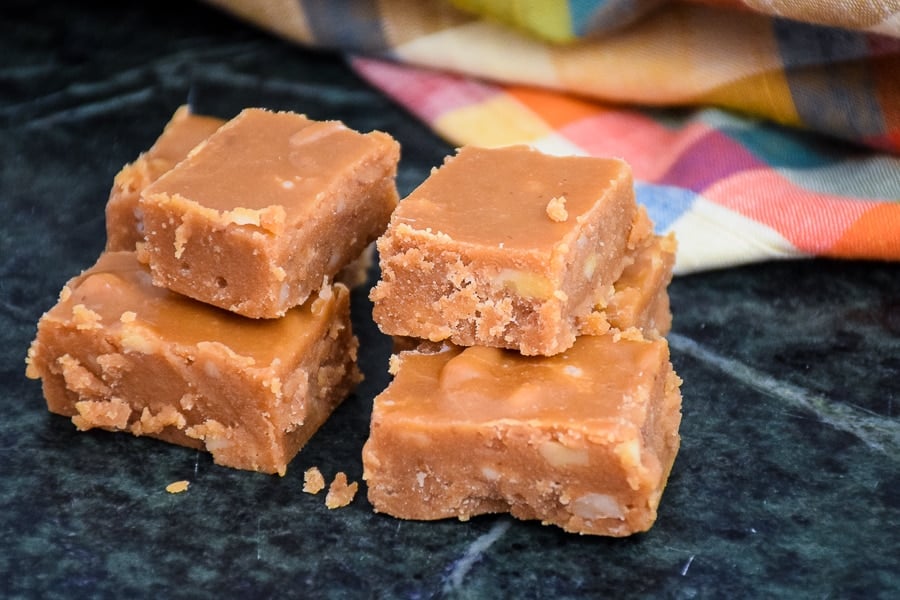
[124,220]
[121,354]
[269,206]
[487,252]
[584,440]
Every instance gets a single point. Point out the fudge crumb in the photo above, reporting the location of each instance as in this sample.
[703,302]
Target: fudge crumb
[339,493]
[313,482]
[641,228]
[85,318]
[176,487]
[393,364]
[556,209]
[632,333]
[111,414]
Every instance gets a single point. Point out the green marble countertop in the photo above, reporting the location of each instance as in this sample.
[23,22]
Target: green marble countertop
[788,479]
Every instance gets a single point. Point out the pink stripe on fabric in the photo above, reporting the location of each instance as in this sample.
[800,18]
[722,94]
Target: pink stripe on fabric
[812,222]
[711,158]
[650,148]
[427,94]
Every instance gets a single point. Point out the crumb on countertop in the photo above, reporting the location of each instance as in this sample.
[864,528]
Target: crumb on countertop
[176,487]
[313,482]
[340,494]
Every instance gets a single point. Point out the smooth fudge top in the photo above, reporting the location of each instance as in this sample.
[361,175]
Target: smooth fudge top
[600,380]
[117,292]
[512,197]
[263,159]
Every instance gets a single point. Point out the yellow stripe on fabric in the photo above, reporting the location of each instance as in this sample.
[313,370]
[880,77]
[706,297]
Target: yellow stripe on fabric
[679,55]
[765,94]
[498,121]
[483,49]
[548,19]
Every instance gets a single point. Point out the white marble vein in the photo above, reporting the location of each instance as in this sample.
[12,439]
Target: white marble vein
[878,432]
[461,566]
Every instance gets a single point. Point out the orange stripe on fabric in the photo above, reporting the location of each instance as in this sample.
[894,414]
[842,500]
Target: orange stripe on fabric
[555,108]
[875,235]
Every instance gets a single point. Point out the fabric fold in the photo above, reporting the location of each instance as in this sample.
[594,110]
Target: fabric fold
[756,130]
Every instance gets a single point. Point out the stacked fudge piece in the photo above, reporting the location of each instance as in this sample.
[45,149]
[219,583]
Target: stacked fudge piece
[532,292]
[212,319]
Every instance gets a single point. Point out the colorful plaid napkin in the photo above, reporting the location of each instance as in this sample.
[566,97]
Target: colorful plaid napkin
[756,129]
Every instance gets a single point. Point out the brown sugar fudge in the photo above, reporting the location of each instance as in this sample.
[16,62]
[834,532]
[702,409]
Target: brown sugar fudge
[124,221]
[584,439]
[641,297]
[124,217]
[505,247]
[119,353]
[266,209]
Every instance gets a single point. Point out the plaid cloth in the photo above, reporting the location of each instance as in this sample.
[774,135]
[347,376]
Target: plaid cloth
[757,129]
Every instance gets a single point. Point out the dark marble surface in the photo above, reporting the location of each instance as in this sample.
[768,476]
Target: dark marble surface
[787,483]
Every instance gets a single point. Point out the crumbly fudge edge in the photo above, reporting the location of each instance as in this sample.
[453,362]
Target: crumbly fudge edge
[191,417]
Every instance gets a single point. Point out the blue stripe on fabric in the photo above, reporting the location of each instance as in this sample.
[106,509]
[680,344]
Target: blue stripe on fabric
[805,45]
[580,12]
[354,25]
[780,147]
[665,203]
[830,83]
[872,177]
[810,160]
[603,16]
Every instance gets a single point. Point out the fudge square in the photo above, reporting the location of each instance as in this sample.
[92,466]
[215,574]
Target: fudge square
[124,221]
[121,354]
[584,439]
[266,209]
[124,217]
[505,247]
